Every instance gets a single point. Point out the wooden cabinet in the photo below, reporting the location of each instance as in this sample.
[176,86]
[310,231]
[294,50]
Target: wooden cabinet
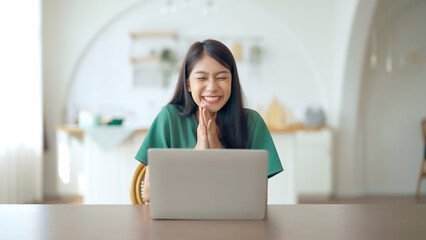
[307,162]
[313,163]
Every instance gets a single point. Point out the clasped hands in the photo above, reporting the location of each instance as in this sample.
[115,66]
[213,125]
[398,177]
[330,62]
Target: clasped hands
[207,131]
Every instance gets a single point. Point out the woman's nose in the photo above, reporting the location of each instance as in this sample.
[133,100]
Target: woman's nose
[211,84]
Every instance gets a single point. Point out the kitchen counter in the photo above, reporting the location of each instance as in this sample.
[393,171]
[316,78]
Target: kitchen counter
[75,129]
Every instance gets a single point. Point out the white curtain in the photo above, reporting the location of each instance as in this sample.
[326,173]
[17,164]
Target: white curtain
[20,102]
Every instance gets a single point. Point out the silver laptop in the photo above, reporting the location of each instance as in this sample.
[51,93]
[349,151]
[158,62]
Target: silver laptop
[208,184]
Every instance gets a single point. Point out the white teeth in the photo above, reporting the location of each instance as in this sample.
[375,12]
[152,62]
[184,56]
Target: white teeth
[211,99]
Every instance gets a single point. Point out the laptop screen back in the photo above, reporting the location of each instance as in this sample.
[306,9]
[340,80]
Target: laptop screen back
[208,184]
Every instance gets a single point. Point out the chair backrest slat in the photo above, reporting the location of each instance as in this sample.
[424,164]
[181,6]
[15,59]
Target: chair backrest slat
[136,187]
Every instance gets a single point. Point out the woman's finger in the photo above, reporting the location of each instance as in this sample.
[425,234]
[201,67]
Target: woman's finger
[213,137]
[200,116]
[212,129]
[202,135]
[206,116]
[210,134]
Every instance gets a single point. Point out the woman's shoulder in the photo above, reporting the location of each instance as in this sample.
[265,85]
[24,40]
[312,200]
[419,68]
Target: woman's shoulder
[252,116]
[171,111]
[170,108]
[168,111]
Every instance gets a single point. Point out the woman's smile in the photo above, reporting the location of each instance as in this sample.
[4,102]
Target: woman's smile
[211,99]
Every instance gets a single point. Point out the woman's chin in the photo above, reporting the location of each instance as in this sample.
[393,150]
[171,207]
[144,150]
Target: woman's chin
[213,108]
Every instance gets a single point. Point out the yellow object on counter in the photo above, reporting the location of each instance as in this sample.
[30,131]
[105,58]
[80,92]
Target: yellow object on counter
[275,116]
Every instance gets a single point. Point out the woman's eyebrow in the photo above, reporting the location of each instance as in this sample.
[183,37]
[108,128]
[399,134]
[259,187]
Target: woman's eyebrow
[202,72]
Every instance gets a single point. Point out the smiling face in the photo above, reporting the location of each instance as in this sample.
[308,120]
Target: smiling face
[210,82]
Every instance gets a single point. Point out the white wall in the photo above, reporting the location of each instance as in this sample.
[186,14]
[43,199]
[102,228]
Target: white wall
[315,23]
[104,77]
[393,104]
[349,174]
[378,143]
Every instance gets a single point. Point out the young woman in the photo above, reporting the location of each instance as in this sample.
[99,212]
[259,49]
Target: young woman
[207,110]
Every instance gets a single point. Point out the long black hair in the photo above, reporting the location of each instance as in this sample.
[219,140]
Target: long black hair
[231,118]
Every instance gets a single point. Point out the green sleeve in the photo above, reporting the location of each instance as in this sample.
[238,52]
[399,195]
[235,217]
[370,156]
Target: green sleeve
[158,136]
[260,138]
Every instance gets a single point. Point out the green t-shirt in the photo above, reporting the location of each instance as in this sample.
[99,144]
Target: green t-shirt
[169,130]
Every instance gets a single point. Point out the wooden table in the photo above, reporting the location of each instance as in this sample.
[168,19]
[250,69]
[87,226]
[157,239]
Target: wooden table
[283,222]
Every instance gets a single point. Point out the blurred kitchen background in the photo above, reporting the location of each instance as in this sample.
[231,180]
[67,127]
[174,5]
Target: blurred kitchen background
[340,83]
